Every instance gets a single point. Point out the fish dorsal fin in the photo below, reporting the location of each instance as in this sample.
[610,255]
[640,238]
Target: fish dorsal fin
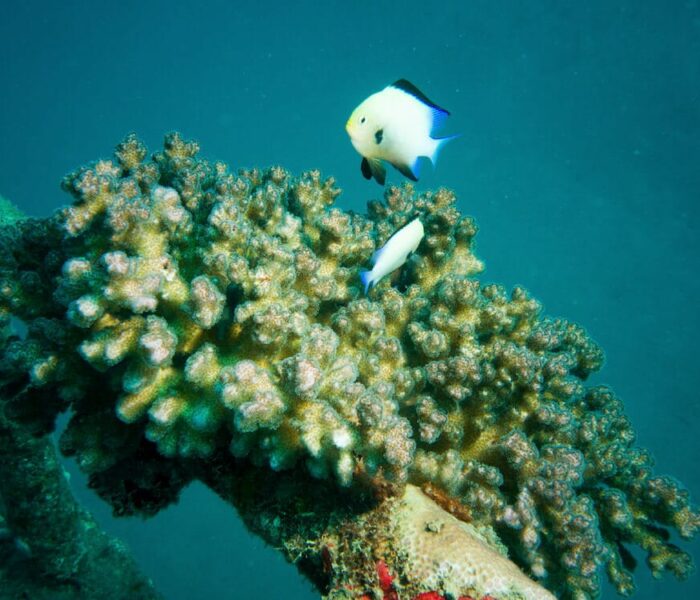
[406,86]
[439,114]
[439,118]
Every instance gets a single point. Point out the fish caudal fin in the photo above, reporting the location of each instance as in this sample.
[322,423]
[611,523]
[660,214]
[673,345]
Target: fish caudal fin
[412,171]
[438,144]
[366,278]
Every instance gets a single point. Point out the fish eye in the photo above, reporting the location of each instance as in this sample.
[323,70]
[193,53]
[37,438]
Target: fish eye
[362,120]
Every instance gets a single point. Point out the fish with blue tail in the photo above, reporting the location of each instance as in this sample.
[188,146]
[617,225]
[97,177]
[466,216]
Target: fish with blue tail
[396,125]
[394,253]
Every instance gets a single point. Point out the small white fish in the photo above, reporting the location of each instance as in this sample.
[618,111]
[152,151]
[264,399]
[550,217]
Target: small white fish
[394,253]
[396,125]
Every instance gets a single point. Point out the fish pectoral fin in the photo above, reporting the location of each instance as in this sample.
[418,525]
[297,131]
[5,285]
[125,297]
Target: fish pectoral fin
[377,169]
[364,167]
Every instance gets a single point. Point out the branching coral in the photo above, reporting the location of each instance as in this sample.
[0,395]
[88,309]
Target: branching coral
[180,309]
[50,547]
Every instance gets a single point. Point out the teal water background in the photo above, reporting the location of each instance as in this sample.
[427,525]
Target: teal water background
[580,160]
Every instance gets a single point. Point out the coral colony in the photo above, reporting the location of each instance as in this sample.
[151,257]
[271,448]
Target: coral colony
[432,439]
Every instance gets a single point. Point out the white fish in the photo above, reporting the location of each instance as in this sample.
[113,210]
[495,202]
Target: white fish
[394,253]
[396,125]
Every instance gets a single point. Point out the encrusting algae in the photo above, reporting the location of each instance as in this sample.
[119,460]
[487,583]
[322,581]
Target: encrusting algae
[200,323]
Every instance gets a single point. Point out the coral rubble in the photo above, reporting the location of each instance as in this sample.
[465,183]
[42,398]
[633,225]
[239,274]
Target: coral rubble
[182,310]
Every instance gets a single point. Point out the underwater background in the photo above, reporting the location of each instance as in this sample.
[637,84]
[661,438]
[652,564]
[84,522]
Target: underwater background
[579,160]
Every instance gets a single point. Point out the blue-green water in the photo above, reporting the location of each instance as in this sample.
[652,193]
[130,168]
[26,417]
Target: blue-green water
[580,161]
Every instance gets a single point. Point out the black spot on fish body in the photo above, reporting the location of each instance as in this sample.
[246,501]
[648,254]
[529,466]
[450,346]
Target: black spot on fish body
[379,136]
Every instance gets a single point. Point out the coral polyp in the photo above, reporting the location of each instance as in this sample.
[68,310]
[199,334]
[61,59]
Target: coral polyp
[188,315]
